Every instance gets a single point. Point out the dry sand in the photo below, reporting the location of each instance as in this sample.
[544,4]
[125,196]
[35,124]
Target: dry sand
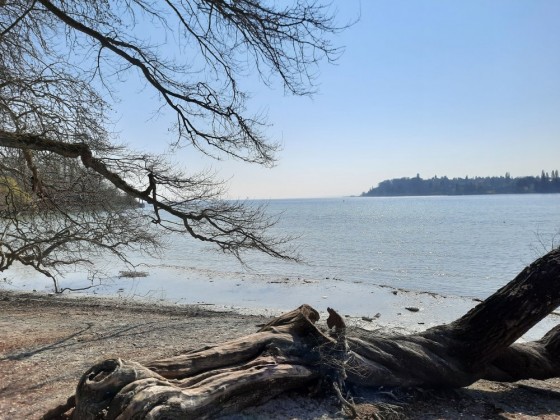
[47,342]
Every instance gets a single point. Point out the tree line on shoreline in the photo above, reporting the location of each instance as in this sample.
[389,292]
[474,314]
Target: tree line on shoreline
[546,183]
[71,188]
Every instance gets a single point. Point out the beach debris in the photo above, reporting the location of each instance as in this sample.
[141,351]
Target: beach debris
[280,281]
[370,319]
[132,274]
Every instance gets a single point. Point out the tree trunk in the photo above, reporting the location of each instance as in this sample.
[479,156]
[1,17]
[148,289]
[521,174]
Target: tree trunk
[291,352]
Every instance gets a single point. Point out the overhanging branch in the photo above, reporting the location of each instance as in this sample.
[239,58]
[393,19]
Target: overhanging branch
[230,233]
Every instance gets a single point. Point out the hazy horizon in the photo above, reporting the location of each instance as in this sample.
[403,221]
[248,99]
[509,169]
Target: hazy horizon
[436,88]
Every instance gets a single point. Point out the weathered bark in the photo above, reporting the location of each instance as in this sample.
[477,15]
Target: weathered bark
[214,380]
[291,352]
[537,360]
[459,353]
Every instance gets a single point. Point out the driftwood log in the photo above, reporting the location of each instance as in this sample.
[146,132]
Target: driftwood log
[292,353]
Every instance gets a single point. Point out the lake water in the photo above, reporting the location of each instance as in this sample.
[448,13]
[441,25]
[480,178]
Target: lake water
[464,246]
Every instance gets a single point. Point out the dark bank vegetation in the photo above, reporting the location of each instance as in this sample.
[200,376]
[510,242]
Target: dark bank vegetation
[544,184]
[292,353]
[61,184]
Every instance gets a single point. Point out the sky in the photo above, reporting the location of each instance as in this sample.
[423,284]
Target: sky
[429,87]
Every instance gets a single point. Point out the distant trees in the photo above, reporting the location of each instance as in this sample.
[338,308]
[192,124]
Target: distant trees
[467,186]
[61,168]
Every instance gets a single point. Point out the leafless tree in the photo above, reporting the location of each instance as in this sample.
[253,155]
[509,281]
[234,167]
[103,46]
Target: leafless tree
[63,174]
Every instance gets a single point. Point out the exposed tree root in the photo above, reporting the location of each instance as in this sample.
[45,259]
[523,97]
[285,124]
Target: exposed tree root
[291,352]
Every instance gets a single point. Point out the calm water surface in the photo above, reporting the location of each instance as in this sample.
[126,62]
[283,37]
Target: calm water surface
[456,246]
[465,246]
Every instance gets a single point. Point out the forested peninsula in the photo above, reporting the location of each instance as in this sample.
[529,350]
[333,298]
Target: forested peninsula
[544,184]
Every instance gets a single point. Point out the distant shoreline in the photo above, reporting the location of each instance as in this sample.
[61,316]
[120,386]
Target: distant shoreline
[544,184]
[451,195]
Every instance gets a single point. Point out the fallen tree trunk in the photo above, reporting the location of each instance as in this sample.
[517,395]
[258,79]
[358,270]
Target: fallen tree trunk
[291,352]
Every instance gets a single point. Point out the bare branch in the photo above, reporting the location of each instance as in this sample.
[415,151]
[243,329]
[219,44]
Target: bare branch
[69,191]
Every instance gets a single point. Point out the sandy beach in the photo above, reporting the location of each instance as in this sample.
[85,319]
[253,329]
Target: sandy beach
[48,341]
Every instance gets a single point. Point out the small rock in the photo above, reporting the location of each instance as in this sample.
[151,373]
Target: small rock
[394,292]
[368,319]
[412,308]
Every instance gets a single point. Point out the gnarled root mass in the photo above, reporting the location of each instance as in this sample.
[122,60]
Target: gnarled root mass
[291,353]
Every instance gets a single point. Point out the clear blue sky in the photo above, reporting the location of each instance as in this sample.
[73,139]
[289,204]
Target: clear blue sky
[433,87]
